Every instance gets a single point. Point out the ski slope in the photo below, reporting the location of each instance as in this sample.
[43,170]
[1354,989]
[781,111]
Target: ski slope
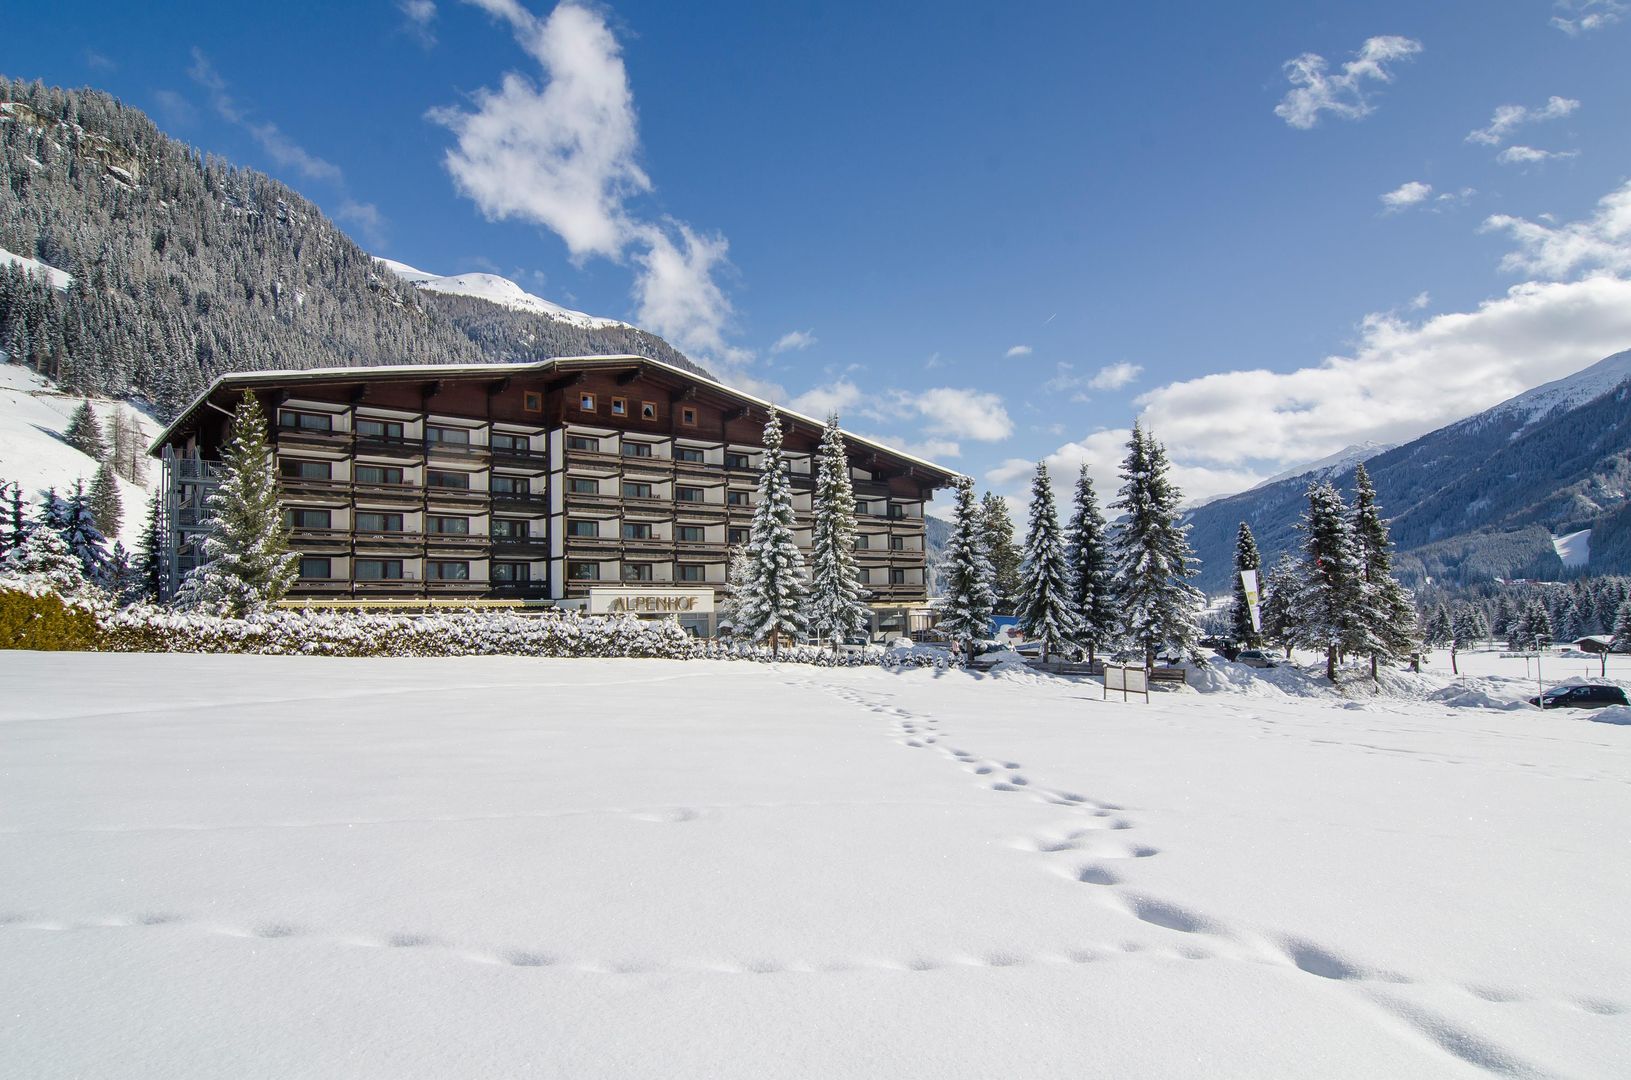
[272,867]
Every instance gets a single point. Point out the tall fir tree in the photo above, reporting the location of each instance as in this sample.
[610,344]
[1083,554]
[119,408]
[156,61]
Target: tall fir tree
[1240,611]
[837,597]
[1622,628]
[84,433]
[1153,559]
[45,555]
[1329,611]
[1000,551]
[1533,628]
[82,536]
[774,608]
[1440,629]
[1387,612]
[147,577]
[249,565]
[1280,591]
[1046,610]
[106,508]
[16,517]
[1089,557]
[1466,630]
[965,605]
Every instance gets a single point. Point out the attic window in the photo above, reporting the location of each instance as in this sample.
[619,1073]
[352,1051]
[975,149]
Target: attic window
[648,410]
[586,402]
[532,401]
[688,415]
[620,406]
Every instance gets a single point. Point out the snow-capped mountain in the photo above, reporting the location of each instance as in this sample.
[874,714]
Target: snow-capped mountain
[499,290]
[1569,392]
[1341,461]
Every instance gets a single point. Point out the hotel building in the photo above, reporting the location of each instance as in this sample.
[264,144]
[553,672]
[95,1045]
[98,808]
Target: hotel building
[607,483]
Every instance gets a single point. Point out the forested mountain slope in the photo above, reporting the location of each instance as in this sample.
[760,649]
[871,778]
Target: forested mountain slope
[185,267]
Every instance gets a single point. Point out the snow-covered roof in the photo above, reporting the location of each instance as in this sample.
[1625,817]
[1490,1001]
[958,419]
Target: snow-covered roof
[343,374]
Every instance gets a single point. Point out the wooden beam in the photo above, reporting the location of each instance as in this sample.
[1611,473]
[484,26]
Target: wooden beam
[498,386]
[631,375]
[431,389]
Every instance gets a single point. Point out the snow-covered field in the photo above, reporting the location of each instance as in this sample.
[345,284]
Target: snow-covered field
[276,867]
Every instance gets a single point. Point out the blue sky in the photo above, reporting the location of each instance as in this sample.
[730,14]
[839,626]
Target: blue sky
[995,234]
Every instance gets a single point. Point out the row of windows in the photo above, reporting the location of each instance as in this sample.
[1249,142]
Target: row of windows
[619,406]
[316,568]
[394,430]
[393,476]
[694,534]
[633,449]
[633,571]
[369,521]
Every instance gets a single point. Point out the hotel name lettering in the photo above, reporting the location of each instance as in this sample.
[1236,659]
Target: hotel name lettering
[653,604]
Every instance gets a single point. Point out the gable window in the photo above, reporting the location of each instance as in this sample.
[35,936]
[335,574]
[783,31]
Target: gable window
[586,402]
[583,571]
[648,410]
[378,429]
[445,570]
[304,421]
[532,401]
[372,522]
[292,469]
[379,569]
[316,568]
[582,485]
[587,530]
[688,416]
[378,474]
[620,406]
[440,478]
[447,526]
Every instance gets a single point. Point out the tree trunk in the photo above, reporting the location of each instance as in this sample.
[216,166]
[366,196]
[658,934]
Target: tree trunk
[1454,670]
[1373,677]
[1331,662]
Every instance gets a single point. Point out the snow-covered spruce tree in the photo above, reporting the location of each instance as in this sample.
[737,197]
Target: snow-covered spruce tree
[1153,559]
[836,603]
[1280,590]
[1329,609]
[1504,614]
[1090,583]
[1466,630]
[774,607]
[965,606]
[1001,552]
[45,556]
[84,539]
[1622,628]
[148,567]
[84,433]
[1240,612]
[1440,628]
[8,540]
[249,562]
[16,527]
[1532,625]
[1045,608]
[738,587]
[1389,616]
[106,509]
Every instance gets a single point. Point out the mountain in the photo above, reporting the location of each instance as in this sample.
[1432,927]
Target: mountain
[499,290]
[1342,460]
[184,266]
[1481,498]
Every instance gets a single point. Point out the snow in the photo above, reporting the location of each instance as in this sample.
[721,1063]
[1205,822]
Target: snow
[1569,392]
[33,416]
[1574,548]
[279,866]
[499,290]
[59,279]
[1332,464]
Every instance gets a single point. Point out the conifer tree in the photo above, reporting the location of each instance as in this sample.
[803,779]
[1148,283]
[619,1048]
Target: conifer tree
[74,522]
[84,433]
[17,520]
[837,607]
[1440,629]
[7,540]
[45,555]
[1153,558]
[1622,628]
[249,562]
[106,509]
[1503,615]
[965,606]
[147,575]
[777,590]
[1466,630]
[1001,552]
[1240,612]
[738,586]
[1385,608]
[1329,611]
[1533,628]
[1045,609]
[1279,602]
[1089,557]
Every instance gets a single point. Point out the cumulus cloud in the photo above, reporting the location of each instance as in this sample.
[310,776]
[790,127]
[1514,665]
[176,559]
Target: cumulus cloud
[1115,376]
[822,401]
[1102,452]
[1507,117]
[1018,350]
[1528,155]
[1577,17]
[1315,90]
[1601,242]
[958,412]
[1405,196]
[793,341]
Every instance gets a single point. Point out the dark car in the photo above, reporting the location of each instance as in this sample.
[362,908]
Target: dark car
[1582,697]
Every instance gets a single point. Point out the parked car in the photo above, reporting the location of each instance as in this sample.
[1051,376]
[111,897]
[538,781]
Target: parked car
[1255,658]
[1581,697]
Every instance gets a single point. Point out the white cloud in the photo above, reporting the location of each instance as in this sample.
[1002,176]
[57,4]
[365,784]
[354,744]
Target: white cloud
[1528,155]
[1601,242]
[279,147]
[822,401]
[1405,196]
[792,341]
[1420,300]
[1507,117]
[419,18]
[1583,16]
[1102,452]
[1066,381]
[1018,350]
[957,412]
[1115,376]
[1314,90]
[365,218]
[677,296]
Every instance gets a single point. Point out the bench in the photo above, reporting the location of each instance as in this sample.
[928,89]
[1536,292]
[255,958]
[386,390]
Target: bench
[1169,675]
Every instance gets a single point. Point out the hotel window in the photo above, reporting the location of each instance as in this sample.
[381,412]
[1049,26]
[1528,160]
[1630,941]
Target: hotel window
[689,534]
[864,576]
[586,402]
[302,518]
[447,436]
[510,529]
[636,491]
[688,453]
[688,494]
[511,573]
[738,498]
[896,510]
[688,416]
[377,474]
[897,543]
[514,443]
[862,508]
[532,401]
[620,406]
[583,571]
[379,569]
[444,570]
[736,536]
[636,449]
[508,485]
[582,442]
[692,572]
[439,478]
[648,410]
[292,469]
[637,571]
[584,486]
[636,530]
[897,576]
[304,421]
[371,522]
[439,525]
[734,460]
[587,530]
[862,542]
[316,568]
[379,429]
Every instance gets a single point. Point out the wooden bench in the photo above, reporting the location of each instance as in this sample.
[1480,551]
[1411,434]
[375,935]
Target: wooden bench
[1169,675]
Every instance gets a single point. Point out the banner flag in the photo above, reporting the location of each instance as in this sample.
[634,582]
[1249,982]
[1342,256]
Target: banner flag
[1248,578]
